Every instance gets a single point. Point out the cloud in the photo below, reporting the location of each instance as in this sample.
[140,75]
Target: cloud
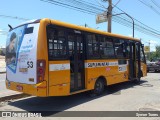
[152,48]
[130,35]
[3,32]
[153,42]
[136,36]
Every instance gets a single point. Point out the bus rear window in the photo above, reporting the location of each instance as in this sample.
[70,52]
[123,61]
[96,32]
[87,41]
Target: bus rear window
[28,30]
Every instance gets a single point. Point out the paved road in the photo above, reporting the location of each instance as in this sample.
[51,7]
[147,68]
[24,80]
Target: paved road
[3,91]
[2,82]
[122,97]
[2,65]
[2,77]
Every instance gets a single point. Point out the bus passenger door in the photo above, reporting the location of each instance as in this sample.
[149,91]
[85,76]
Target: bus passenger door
[132,61]
[138,60]
[143,61]
[76,54]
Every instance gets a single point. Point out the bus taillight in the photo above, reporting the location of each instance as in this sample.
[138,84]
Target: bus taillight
[41,65]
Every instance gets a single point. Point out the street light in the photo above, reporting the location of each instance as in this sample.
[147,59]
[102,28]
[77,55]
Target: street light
[129,17]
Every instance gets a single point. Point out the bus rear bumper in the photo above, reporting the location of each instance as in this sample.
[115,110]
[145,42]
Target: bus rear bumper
[35,89]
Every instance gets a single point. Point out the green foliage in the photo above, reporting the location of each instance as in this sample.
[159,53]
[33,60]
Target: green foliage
[0,51]
[158,51]
[154,55]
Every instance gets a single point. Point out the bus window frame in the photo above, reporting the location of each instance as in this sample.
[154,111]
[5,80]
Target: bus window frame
[67,31]
[124,48]
[52,26]
[87,48]
[113,43]
[85,40]
[100,56]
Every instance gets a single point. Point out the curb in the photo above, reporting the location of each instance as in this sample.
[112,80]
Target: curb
[12,97]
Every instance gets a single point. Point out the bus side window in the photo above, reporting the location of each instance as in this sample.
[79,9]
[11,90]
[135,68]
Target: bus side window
[71,46]
[119,48]
[106,48]
[127,49]
[71,40]
[93,46]
[57,44]
[122,48]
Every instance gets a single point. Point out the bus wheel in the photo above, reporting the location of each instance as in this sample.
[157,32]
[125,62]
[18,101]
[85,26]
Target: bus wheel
[98,88]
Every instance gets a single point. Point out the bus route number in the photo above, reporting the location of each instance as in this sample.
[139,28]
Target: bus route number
[30,64]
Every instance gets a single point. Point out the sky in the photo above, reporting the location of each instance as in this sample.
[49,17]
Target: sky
[35,9]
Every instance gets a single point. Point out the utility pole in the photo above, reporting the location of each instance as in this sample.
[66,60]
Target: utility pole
[85,25]
[109,15]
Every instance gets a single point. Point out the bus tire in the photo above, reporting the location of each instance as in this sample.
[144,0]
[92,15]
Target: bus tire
[98,88]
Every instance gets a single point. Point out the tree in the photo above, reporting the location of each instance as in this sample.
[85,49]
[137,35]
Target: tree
[158,51]
[153,55]
[150,56]
[0,51]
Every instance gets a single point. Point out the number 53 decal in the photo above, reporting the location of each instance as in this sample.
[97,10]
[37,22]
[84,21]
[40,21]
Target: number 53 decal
[30,64]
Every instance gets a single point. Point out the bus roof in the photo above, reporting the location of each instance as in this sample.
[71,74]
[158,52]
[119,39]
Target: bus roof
[27,22]
[68,25]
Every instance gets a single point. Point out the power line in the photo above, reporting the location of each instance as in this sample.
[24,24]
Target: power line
[83,8]
[150,6]
[13,17]
[82,3]
[155,3]
[100,4]
[116,3]
[68,6]
[142,24]
[93,10]
[128,23]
